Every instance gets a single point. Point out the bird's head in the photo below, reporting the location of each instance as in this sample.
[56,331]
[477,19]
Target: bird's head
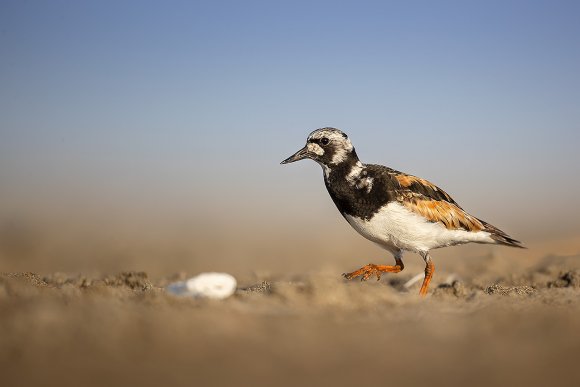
[327,146]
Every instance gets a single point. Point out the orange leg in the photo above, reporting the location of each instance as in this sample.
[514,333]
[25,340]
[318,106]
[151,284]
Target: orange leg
[429,270]
[369,270]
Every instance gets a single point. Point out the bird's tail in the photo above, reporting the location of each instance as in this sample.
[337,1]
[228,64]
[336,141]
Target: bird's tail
[500,237]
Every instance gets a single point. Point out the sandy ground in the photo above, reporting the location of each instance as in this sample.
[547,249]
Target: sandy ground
[481,325]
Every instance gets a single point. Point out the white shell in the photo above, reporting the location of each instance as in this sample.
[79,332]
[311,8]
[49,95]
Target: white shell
[205,285]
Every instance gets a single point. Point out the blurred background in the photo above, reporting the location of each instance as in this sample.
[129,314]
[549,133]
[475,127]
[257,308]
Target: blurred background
[148,135]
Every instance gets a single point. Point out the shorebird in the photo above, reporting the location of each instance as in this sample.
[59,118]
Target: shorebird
[399,212]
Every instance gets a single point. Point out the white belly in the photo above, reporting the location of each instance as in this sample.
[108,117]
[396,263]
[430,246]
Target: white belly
[396,226]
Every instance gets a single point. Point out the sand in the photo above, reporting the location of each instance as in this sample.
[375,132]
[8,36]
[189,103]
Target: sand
[479,326]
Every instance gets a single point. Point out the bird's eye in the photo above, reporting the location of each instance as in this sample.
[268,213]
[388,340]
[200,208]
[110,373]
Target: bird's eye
[324,141]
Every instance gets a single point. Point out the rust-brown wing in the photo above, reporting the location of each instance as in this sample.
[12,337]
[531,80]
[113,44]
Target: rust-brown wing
[431,202]
[421,186]
[446,213]
[428,200]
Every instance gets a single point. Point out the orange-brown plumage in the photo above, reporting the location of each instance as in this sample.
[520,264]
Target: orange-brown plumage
[452,217]
[407,180]
[434,204]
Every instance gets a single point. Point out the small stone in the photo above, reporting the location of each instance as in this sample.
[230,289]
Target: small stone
[215,286]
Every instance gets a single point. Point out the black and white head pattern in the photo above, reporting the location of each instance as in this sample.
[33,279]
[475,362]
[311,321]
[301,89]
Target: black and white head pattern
[329,146]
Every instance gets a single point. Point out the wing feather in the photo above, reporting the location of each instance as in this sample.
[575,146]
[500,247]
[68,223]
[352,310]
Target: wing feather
[428,200]
[449,214]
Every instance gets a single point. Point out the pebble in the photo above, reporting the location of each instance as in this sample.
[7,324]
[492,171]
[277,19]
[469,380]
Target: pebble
[215,286]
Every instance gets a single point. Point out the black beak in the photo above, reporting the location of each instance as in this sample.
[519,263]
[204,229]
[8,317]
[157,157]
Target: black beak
[301,154]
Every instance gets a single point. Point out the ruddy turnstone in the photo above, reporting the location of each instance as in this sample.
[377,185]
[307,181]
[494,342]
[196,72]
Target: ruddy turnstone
[397,211]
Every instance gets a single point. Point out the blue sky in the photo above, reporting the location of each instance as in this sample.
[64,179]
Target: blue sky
[177,100]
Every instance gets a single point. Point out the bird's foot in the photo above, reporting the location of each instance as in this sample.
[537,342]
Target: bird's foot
[367,271]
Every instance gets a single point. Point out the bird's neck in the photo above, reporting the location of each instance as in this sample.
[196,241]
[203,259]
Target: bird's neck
[344,168]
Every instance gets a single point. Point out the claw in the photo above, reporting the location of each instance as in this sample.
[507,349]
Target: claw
[368,274]
[364,272]
[369,270]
